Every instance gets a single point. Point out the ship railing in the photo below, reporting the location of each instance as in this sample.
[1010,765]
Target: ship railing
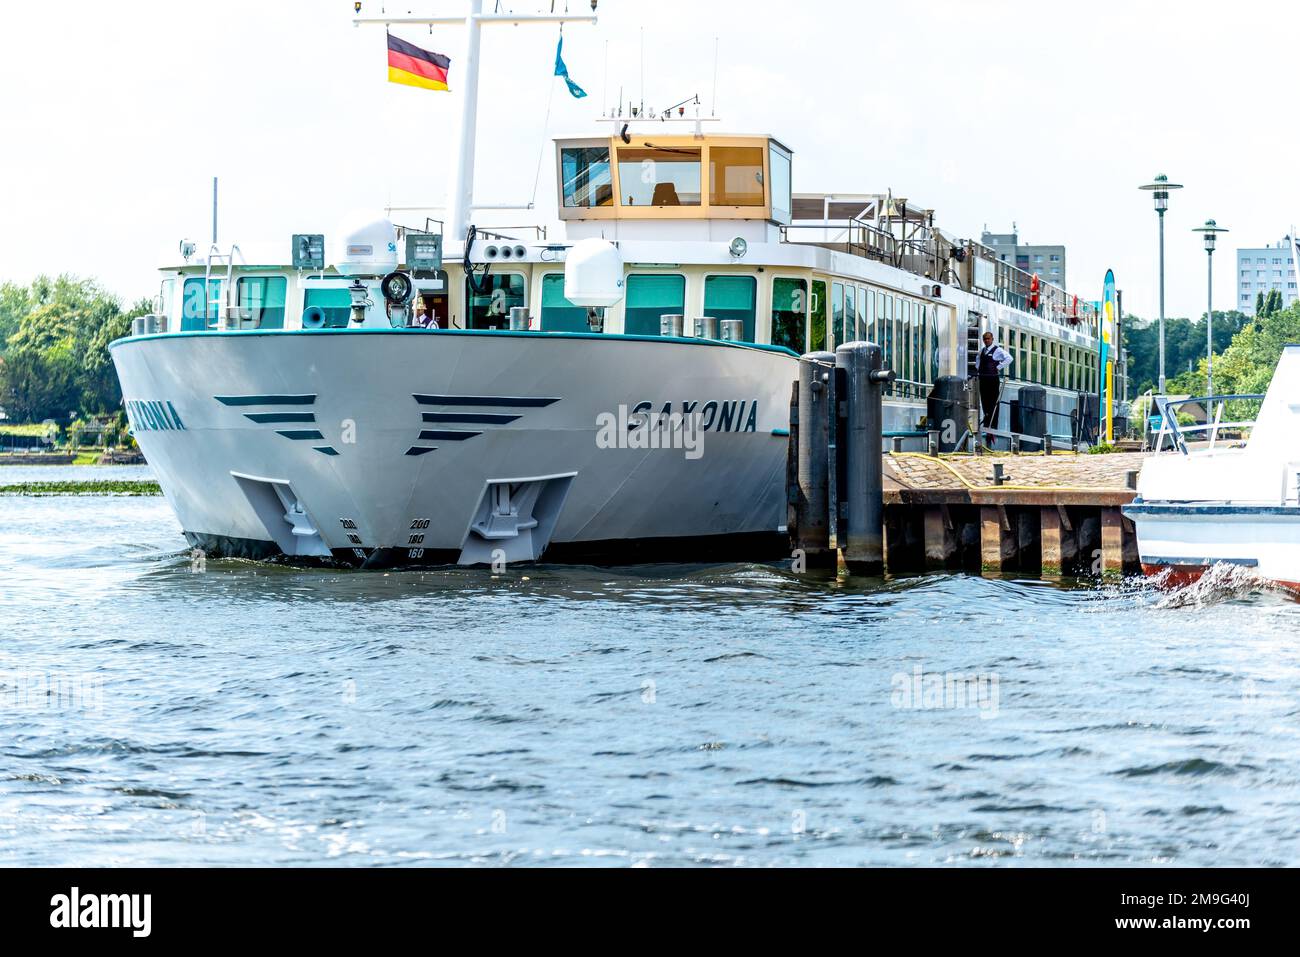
[1211,431]
[927,253]
[819,234]
[1013,286]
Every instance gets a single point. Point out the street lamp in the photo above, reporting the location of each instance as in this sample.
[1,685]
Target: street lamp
[1210,230]
[1160,187]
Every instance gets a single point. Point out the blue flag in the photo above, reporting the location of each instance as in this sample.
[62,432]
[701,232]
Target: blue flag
[562,70]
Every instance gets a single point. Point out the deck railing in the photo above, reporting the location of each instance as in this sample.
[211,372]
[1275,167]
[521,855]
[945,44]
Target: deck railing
[971,265]
[1167,412]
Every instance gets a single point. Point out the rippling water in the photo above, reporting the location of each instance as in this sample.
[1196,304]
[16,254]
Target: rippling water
[733,715]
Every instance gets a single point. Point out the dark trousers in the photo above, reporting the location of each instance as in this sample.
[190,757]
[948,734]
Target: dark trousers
[990,390]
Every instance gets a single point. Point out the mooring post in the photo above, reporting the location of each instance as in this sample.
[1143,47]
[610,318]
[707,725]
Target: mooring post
[860,485]
[812,502]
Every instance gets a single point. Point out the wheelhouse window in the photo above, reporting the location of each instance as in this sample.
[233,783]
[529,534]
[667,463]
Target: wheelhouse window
[778,167]
[732,297]
[263,297]
[194,306]
[491,302]
[789,313]
[558,314]
[586,177]
[650,297]
[736,176]
[649,176]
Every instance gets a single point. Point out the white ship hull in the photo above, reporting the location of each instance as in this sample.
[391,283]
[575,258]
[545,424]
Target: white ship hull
[1234,506]
[1183,540]
[413,446]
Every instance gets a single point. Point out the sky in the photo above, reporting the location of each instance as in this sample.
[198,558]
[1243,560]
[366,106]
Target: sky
[1047,114]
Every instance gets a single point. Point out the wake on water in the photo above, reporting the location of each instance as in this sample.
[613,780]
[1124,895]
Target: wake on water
[1220,582]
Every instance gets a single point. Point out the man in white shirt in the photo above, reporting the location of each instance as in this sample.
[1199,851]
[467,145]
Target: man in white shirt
[993,359]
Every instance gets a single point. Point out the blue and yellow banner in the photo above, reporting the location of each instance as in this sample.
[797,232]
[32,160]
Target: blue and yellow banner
[1109,338]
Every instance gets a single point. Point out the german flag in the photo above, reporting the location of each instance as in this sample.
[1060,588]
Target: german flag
[410,65]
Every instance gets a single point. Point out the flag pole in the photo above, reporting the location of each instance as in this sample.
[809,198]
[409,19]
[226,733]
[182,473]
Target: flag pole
[462,197]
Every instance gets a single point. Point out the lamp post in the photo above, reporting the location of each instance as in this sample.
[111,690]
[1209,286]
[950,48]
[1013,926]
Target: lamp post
[1160,187]
[1210,230]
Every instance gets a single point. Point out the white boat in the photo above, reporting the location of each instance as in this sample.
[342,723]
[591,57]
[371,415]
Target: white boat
[292,405]
[1209,502]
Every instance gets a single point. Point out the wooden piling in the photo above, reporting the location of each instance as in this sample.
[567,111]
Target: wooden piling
[940,538]
[1050,536]
[997,540]
[1112,542]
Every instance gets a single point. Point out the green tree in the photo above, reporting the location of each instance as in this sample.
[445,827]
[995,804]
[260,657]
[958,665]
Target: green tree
[54,357]
[1184,345]
[1246,366]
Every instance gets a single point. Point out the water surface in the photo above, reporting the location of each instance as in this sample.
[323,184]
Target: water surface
[684,715]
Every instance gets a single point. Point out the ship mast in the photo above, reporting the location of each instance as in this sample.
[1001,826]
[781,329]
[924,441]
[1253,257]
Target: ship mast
[462,198]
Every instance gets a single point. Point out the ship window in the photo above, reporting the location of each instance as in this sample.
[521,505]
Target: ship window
[659,177]
[837,314]
[817,318]
[904,344]
[914,331]
[166,295]
[585,178]
[789,313]
[864,314]
[887,334]
[263,297]
[880,332]
[558,314]
[192,318]
[649,298]
[732,297]
[336,303]
[850,314]
[778,164]
[490,307]
[736,176]
[935,367]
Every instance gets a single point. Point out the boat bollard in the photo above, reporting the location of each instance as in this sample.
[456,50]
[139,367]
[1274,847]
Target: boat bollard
[706,327]
[733,330]
[932,443]
[519,319]
[860,526]
[811,496]
[671,326]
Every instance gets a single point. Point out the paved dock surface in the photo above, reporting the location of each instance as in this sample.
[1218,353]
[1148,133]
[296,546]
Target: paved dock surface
[1064,478]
